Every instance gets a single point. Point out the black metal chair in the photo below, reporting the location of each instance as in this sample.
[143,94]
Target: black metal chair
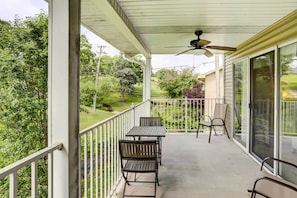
[153,121]
[150,121]
[218,119]
[271,186]
[139,157]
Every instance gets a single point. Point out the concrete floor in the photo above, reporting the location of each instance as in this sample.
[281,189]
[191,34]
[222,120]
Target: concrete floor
[193,168]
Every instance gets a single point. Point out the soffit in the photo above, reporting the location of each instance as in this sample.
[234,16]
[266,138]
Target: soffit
[167,26]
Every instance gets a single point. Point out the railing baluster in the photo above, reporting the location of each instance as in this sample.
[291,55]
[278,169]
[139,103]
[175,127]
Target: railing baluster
[91,165]
[85,165]
[13,183]
[96,163]
[34,179]
[50,175]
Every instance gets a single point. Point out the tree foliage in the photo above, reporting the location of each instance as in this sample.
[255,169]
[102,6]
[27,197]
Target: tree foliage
[23,92]
[125,72]
[174,82]
[195,92]
[88,58]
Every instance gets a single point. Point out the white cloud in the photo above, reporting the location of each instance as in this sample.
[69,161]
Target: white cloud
[23,8]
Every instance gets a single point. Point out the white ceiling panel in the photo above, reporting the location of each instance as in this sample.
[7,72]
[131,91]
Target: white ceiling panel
[167,26]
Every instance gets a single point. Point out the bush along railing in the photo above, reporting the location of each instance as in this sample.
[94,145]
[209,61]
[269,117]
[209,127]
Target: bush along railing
[19,172]
[99,157]
[181,115]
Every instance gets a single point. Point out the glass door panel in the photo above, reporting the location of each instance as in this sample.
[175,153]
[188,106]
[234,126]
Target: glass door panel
[288,110]
[262,105]
[240,102]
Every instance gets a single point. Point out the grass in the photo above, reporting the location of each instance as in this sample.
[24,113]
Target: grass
[156,92]
[289,82]
[114,100]
[89,118]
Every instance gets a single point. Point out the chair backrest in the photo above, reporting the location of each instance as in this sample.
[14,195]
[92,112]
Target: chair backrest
[150,121]
[220,111]
[138,150]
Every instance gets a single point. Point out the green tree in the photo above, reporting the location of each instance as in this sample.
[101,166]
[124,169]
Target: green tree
[23,92]
[127,77]
[174,82]
[88,59]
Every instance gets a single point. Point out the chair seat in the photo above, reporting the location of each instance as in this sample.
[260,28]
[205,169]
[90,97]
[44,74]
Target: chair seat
[204,123]
[140,166]
[270,185]
[273,189]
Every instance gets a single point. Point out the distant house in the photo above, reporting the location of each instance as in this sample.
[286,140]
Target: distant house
[213,83]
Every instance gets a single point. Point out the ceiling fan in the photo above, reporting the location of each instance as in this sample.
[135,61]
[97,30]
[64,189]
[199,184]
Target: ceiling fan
[203,44]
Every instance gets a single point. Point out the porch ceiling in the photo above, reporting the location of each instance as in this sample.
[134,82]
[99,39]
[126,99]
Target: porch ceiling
[167,26]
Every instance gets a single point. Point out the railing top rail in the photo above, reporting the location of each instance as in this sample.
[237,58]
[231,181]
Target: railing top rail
[86,130]
[28,160]
[164,99]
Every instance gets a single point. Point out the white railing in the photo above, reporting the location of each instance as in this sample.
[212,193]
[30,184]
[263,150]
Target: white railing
[11,171]
[182,114]
[288,118]
[100,169]
[99,160]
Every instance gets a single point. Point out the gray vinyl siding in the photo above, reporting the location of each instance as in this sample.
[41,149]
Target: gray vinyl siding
[279,33]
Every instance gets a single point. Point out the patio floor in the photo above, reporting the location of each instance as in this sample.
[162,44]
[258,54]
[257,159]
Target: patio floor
[193,168]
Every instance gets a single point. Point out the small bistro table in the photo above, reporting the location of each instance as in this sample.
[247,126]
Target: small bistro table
[149,131]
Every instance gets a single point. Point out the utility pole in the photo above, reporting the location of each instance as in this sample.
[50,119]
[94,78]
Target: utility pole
[101,48]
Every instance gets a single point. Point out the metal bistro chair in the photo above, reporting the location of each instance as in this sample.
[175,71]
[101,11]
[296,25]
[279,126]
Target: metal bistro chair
[218,119]
[139,157]
[153,121]
[268,185]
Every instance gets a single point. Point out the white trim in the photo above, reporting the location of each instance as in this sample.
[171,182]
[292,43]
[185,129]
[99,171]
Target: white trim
[246,148]
[276,108]
[284,44]
[267,50]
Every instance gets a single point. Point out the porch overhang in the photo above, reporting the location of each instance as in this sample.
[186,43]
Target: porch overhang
[167,27]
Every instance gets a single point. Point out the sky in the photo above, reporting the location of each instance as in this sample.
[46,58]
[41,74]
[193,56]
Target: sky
[23,8]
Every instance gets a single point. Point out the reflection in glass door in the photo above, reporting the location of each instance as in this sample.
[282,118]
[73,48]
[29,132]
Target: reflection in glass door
[288,110]
[262,105]
[240,101]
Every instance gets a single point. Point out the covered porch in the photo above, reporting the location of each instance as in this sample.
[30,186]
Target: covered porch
[193,168]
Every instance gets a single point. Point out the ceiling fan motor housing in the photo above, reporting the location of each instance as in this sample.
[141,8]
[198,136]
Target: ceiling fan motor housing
[194,43]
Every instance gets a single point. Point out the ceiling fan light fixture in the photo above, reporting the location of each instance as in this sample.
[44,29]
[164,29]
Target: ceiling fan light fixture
[200,46]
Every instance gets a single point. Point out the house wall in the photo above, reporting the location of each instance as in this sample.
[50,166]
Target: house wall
[281,32]
[211,89]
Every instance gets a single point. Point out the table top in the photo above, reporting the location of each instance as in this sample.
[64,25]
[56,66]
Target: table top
[147,131]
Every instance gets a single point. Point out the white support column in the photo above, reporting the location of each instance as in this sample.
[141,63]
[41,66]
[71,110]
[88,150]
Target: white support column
[147,85]
[217,74]
[147,80]
[63,85]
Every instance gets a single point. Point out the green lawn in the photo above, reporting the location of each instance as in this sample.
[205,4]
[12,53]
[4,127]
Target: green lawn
[89,118]
[289,82]
[114,100]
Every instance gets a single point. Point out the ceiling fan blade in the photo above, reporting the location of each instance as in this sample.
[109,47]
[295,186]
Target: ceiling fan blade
[221,48]
[208,53]
[185,51]
[203,42]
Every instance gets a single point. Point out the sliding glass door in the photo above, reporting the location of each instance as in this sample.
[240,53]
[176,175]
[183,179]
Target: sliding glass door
[262,105]
[288,110]
[240,77]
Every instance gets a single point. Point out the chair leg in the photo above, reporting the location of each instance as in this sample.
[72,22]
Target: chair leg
[214,129]
[227,131]
[126,182]
[198,130]
[125,178]
[210,128]
[160,149]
